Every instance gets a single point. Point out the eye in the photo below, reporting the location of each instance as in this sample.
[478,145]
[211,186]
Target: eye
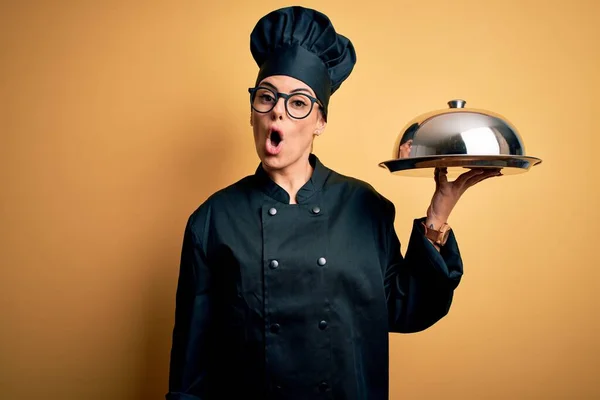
[299,102]
[266,98]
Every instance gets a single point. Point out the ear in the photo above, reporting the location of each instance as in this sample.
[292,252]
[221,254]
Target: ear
[321,125]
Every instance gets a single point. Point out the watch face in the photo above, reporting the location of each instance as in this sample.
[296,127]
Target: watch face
[444,237]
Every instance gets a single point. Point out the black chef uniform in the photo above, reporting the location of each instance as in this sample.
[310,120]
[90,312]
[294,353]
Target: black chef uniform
[295,301]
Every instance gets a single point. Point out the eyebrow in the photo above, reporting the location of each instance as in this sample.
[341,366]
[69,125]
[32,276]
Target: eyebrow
[301,90]
[293,91]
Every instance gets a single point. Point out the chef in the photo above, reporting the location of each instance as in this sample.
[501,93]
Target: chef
[292,277]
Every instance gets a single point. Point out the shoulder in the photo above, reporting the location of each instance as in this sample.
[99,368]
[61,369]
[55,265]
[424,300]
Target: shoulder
[361,198]
[357,189]
[220,200]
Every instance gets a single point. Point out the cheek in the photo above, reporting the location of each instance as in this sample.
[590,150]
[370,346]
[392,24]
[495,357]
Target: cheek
[259,122]
[307,127]
[305,132]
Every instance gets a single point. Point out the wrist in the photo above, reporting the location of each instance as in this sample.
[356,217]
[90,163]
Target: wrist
[436,234]
[434,222]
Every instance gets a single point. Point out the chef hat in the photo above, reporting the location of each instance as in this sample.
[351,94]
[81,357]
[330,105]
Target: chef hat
[302,43]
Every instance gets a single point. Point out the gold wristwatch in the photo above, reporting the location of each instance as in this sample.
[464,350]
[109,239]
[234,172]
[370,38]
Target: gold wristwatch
[438,237]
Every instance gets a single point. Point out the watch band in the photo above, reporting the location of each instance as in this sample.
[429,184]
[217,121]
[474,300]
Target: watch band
[438,237]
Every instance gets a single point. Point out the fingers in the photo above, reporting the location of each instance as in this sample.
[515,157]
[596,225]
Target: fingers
[464,177]
[481,177]
[465,180]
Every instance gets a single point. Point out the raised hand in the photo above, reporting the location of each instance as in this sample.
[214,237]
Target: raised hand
[448,193]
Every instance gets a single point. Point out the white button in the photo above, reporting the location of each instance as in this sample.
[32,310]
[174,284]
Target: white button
[273,211]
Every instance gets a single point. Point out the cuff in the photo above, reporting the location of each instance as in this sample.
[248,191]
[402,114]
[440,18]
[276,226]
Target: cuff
[445,264]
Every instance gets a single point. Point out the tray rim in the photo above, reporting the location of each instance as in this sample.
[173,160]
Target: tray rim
[410,162]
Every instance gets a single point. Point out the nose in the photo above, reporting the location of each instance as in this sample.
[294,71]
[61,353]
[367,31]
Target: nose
[279,109]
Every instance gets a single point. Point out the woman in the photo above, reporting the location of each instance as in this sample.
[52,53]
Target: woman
[292,277]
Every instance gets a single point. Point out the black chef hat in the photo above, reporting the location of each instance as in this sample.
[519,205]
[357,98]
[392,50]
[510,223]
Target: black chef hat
[302,43]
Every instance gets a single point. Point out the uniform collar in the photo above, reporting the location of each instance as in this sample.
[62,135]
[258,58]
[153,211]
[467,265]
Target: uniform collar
[306,192]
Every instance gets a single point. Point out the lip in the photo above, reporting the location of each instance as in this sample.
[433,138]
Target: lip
[270,148]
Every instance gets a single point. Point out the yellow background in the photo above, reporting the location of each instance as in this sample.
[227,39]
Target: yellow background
[117,120]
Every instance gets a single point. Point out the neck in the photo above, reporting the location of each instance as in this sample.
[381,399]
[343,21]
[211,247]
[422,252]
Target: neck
[293,177]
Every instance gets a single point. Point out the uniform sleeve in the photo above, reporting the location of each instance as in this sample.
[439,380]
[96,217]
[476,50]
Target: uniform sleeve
[189,350]
[419,286]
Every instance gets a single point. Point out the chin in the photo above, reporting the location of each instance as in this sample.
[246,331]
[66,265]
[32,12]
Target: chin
[280,161]
[274,162]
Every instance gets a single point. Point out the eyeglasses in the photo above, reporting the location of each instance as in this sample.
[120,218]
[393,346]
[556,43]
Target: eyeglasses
[297,105]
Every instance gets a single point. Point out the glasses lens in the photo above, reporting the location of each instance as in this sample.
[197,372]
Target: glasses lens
[299,105]
[264,100]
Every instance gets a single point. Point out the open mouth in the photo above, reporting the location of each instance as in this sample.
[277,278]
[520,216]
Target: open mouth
[275,138]
[274,141]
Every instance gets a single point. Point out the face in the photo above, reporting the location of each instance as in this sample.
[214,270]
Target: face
[405,149]
[282,141]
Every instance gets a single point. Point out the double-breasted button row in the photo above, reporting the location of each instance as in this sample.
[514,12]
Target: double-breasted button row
[275,328]
[314,210]
[273,264]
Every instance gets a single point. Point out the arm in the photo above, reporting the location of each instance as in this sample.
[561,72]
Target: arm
[420,287]
[189,351]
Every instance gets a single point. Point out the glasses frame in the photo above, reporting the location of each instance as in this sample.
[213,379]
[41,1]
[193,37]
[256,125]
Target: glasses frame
[285,97]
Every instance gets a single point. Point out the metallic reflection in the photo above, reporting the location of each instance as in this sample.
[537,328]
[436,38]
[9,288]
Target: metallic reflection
[458,138]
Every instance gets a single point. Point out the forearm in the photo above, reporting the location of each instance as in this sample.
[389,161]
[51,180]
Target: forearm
[190,350]
[423,282]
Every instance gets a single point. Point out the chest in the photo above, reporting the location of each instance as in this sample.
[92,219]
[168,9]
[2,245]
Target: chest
[301,251]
